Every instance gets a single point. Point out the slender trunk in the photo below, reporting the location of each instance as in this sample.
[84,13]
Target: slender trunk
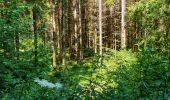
[54,32]
[76,29]
[111,27]
[100,29]
[35,38]
[80,31]
[69,18]
[95,40]
[84,6]
[95,29]
[123,35]
[60,31]
[63,32]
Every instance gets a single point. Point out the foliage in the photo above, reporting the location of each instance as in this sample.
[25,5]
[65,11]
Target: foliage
[151,16]
[125,75]
[109,2]
[86,80]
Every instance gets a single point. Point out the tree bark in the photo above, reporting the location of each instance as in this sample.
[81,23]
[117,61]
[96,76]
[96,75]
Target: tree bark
[60,30]
[35,36]
[54,32]
[123,34]
[63,32]
[100,30]
[80,31]
[76,29]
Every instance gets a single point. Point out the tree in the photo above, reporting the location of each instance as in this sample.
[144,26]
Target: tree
[53,20]
[100,29]
[80,31]
[123,35]
[76,28]
[63,20]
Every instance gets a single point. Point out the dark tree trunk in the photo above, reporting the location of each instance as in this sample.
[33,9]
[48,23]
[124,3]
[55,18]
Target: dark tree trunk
[35,38]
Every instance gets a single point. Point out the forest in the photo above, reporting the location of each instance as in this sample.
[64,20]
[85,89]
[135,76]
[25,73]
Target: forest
[84,49]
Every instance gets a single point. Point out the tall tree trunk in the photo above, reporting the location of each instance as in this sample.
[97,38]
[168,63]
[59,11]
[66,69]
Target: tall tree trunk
[111,28]
[35,37]
[95,26]
[54,32]
[57,25]
[63,33]
[123,35]
[60,30]
[70,28]
[76,29]
[80,31]
[84,24]
[100,30]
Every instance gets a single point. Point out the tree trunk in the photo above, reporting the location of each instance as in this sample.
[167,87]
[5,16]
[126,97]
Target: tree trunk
[95,27]
[63,33]
[80,31]
[35,37]
[123,35]
[70,29]
[76,29]
[54,32]
[100,30]
[60,30]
